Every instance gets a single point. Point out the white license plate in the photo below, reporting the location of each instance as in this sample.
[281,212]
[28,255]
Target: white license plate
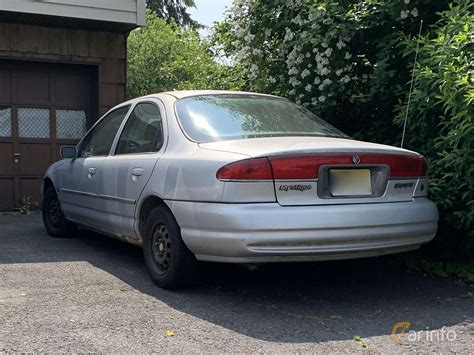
[350,182]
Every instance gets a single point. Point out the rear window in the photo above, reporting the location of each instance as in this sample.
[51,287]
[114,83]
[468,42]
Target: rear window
[211,118]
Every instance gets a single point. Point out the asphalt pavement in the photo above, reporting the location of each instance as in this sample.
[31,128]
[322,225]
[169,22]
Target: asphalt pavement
[90,293]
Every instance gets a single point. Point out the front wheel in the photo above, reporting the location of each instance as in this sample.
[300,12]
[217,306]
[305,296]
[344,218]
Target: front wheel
[169,261]
[53,218]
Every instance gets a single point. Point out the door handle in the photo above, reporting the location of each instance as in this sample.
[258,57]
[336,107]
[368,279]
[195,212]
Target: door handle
[137,172]
[91,171]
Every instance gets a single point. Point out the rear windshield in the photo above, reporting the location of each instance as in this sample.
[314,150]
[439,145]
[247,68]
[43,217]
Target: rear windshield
[211,118]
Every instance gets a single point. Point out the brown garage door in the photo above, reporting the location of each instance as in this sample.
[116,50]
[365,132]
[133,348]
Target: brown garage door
[42,107]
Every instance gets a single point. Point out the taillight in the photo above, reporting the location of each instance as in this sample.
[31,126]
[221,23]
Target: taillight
[302,167]
[249,169]
[306,166]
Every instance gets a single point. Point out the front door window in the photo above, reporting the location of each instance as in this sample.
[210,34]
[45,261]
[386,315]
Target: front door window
[99,140]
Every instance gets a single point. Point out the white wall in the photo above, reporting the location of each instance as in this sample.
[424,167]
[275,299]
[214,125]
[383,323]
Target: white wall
[123,11]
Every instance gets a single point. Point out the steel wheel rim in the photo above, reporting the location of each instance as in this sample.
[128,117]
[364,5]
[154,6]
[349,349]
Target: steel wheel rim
[54,212]
[161,248]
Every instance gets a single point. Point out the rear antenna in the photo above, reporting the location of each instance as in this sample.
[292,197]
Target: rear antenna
[411,85]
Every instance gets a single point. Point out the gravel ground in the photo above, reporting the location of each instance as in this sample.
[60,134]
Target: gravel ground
[92,294]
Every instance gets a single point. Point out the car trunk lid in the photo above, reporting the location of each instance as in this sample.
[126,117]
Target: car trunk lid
[309,170]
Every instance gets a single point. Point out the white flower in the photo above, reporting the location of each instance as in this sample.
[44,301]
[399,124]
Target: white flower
[321,87]
[407,1]
[348,55]
[293,71]
[268,32]
[317,81]
[345,79]
[339,72]
[322,98]
[271,80]
[340,44]
[292,92]
[327,81]
[288,35]
[404,14]
[328,52]
[324,71]
[308,88]
[414,12]
[257,52]
[305,73]
[300,96]
[249,37]
[295,82]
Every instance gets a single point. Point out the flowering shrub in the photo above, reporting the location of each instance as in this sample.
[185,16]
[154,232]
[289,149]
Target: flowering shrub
[335,56]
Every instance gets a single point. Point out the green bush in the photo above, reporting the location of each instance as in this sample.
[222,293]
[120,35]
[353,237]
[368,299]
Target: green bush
[441,115]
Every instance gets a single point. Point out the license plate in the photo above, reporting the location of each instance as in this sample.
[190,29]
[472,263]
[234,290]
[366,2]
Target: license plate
[350,182]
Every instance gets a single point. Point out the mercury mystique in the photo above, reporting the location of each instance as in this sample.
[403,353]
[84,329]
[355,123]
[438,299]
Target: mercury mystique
[238,178]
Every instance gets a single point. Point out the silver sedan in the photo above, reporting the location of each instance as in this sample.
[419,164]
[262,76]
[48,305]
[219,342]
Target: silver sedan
[237,178]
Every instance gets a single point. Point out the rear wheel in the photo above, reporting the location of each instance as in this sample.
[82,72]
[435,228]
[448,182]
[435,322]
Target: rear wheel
[53,218]
[169,261]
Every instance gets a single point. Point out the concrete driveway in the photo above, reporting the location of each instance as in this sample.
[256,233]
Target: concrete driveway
[92,294]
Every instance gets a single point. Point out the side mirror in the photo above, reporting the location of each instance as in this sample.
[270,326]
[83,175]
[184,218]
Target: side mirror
[68,152]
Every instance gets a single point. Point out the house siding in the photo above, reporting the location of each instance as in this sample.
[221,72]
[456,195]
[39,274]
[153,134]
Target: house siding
[123,11]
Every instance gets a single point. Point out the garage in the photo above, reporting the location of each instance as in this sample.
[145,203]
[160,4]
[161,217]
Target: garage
[41,108]
[62,65]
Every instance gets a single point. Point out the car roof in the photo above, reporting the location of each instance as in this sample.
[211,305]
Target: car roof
[188,93]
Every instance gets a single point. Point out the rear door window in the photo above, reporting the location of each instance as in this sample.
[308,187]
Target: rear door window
[143,132]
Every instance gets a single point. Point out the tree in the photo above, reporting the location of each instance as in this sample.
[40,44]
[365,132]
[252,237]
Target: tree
[174,10]
[163,57]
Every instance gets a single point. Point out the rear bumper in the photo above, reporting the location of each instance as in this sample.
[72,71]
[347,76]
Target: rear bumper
[268,232]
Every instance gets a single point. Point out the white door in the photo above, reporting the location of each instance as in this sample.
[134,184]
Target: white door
[126,171]
[80,177]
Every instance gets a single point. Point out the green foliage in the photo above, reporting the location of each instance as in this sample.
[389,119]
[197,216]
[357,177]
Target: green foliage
[163,57]
[174,11]
[462,268]
[441,115]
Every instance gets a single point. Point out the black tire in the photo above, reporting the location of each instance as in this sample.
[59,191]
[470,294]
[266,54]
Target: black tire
[169,261]
[53,218]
